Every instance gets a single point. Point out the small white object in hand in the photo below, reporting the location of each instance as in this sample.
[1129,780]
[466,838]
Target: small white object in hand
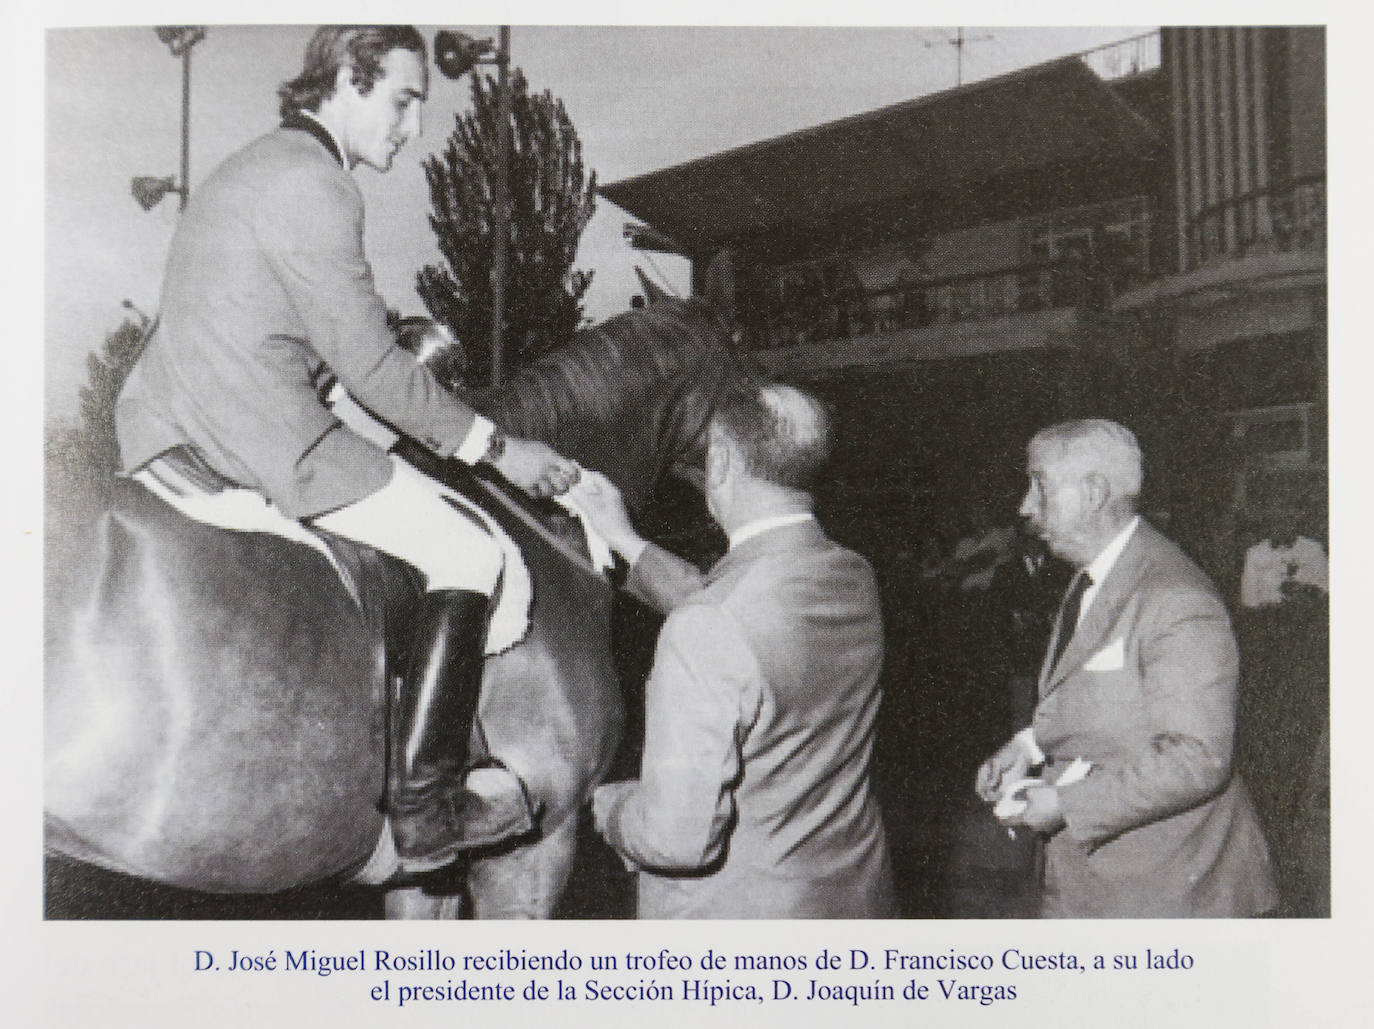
[1013,801]
[597,546]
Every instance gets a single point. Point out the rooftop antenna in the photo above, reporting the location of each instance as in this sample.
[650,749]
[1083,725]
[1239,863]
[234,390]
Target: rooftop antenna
[959,42]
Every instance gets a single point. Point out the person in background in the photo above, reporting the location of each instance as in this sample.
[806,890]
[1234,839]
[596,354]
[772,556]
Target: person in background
[1283,561]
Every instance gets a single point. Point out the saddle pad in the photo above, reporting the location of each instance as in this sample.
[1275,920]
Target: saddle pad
[242,510]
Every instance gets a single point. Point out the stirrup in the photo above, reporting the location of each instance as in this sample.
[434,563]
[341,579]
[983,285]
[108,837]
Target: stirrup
[492,807]
[498,807]
[429,835]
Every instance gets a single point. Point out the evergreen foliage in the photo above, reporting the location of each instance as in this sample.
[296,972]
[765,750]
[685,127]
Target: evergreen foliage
[551,197]
[86,457]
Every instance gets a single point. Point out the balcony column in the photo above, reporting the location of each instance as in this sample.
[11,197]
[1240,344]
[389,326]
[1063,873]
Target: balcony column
[1182,193]
[1207,72]
[1194,117]
[1264,221]
[1226,115]
[1245,137]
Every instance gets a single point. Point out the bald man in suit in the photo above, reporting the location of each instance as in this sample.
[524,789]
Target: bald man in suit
[754,798]
[1142,812]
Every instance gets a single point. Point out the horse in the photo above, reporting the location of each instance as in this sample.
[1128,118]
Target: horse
[215,701]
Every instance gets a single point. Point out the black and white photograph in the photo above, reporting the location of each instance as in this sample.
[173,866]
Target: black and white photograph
[815,521]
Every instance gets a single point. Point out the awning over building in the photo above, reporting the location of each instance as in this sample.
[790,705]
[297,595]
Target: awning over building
[1053,114]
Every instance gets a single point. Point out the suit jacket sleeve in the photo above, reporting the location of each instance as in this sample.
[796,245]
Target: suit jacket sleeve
[1188,670]
[702,696]
[315,244]
[663,580]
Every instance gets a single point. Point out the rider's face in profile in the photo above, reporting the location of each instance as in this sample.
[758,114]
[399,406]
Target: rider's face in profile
[387,117]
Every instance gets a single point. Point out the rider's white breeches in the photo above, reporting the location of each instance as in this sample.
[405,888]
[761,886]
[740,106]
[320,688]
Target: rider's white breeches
[409,519]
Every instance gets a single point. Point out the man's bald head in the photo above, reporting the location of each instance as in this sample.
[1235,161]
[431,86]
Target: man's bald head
[782,433]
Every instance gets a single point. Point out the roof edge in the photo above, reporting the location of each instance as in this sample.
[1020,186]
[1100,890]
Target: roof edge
[877,114]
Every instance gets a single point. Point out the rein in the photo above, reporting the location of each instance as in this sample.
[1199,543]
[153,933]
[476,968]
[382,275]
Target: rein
[501,495]
[579,560]
[635,355]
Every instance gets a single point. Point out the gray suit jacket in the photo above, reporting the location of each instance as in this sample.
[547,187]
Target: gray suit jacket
[266,280]
[754,798]
[1146,691]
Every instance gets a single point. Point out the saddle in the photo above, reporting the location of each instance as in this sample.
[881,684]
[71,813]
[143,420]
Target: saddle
[182,478]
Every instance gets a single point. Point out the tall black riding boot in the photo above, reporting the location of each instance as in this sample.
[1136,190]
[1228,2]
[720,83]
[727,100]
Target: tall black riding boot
[432,816]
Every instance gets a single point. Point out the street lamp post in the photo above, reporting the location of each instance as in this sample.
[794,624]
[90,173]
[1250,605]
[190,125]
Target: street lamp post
[149,190]
[456,54]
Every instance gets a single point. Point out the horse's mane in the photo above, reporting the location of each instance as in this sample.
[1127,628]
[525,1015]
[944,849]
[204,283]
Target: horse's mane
[589,381]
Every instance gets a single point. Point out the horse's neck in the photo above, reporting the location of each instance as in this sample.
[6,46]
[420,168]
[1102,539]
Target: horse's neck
[619,440]
[621,421]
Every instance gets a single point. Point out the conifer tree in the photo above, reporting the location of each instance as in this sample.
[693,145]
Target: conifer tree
[82,459]
[552,198]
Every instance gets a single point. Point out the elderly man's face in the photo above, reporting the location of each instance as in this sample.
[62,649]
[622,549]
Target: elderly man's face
[1056,503]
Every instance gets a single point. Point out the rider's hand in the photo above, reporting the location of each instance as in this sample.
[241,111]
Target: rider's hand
[536,468]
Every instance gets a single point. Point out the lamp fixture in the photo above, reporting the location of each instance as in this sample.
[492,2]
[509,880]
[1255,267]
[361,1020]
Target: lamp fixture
[149,190]
[457,53]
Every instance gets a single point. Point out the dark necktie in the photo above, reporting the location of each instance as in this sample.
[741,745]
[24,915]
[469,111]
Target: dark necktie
[1068,614]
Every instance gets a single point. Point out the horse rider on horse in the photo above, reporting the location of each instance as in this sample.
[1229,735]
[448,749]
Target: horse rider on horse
[266,283]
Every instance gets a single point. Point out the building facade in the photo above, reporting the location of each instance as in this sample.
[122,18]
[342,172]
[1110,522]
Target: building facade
[1148,214]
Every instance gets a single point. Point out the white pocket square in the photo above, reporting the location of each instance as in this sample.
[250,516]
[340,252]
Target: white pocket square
[1108,659]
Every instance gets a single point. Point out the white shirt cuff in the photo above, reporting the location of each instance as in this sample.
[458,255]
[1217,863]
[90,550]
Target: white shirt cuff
[477,442]
[633,550]
[1027,738]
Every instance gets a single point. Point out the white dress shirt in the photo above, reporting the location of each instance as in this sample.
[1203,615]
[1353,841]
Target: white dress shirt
[1102,564]
[1097,569]
[759,526]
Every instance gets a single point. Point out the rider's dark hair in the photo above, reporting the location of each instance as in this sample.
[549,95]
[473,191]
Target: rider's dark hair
[360,48]
[783,433]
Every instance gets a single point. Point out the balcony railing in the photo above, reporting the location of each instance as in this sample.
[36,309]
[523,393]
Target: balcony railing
[1080,256]
[1087,280]
[1269,221]
[1124,58]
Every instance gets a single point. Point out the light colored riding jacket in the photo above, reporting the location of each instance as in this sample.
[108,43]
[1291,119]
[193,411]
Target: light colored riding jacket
[266,280]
